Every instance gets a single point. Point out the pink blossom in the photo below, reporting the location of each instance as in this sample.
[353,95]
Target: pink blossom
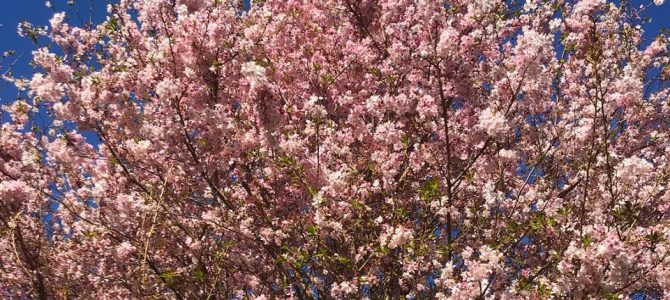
[254,73]
[493,122]
[186,149]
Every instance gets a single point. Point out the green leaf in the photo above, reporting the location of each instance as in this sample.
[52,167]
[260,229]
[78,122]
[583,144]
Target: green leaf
[430,189]
[587,240]
[543,291]
[343,260]
[312,191]
[312,229]
[199,274]
[295,12]
[327,78]
[169,276]
[216,64]
[112,24]
[286,161]
[357,206]
[613,296]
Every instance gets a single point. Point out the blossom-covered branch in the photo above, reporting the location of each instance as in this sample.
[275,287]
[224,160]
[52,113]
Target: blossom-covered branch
[340,149]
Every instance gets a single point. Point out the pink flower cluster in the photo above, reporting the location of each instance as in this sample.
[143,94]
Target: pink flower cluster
[341,149]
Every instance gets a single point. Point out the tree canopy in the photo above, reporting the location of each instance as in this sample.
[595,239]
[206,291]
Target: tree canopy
[342,149]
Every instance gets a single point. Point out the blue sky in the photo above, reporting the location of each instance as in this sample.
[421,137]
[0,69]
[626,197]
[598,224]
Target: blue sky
[35,11]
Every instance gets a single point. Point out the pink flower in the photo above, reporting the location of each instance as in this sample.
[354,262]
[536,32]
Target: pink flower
[254,73]
[57,19]
[631,169]
[493,122]
[399,237]
[124,249]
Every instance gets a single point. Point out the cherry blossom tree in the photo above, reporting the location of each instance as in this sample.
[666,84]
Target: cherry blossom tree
[341,149]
